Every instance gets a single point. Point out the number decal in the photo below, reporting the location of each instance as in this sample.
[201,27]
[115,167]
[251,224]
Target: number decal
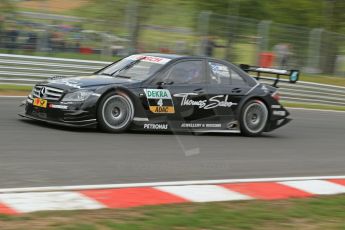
[160,102]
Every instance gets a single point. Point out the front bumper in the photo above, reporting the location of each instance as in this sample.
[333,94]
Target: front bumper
[85,123]
[81,114]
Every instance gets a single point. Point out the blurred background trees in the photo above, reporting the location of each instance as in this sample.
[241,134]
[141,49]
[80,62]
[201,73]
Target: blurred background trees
[6,6]
[240,29]
[328,14]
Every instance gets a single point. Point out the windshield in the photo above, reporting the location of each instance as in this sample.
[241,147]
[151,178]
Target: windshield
[136,67]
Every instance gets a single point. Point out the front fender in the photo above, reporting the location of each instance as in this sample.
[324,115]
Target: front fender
[133,94]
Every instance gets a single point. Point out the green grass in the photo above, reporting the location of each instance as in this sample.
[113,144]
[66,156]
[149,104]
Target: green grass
[14,90]
[310,213]
[324,79]
[313,106]
[15,87]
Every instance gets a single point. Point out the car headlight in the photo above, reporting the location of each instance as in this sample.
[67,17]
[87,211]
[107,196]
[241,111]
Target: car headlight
[81,95]
[31,95]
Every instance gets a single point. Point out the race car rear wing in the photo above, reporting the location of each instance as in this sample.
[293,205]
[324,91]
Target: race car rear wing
[293,74]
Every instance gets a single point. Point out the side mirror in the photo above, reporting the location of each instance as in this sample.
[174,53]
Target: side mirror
[162,83]
[294,76]
[245,67]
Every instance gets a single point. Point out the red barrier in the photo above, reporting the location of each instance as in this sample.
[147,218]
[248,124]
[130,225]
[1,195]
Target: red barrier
[85,50]
[266,59]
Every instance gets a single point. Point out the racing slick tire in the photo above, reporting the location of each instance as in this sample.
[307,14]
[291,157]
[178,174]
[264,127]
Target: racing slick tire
[115,113]
[253,119]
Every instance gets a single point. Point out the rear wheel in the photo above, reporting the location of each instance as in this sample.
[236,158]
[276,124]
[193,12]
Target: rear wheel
[254,116]
[115,113]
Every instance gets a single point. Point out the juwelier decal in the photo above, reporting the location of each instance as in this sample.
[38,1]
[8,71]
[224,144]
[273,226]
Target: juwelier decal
[200,125]
[159,100]
[156,126]
[213,102]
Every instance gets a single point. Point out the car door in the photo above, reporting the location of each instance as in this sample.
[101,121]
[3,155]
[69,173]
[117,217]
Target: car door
[179,93]
[226,88]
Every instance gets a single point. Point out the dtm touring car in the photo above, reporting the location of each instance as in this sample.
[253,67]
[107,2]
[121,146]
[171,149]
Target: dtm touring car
[163,92]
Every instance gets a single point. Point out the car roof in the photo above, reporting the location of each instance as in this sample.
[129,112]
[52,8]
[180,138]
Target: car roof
[169,56]
[180,56]
[250,80]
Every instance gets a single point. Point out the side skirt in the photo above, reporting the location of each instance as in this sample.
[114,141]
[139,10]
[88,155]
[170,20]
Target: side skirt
[190,127]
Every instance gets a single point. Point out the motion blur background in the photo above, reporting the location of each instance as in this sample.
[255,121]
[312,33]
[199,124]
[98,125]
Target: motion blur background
[304,34]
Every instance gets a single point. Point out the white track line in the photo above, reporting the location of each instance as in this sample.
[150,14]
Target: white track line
[156,184]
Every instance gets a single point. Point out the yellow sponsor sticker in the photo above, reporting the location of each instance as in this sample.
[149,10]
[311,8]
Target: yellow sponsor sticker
[40,102]
[162,109]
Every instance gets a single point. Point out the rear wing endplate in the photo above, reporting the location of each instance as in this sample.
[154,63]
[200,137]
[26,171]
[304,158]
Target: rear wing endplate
[293,74]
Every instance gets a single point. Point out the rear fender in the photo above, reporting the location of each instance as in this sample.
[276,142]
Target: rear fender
[248,98]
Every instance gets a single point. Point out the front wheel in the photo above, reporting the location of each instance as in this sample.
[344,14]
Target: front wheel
[254,116]
[115,113]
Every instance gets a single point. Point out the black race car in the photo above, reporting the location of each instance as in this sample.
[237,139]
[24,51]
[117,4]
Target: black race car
[163,92]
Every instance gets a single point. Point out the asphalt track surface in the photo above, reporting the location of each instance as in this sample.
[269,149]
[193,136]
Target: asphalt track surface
[34,154]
